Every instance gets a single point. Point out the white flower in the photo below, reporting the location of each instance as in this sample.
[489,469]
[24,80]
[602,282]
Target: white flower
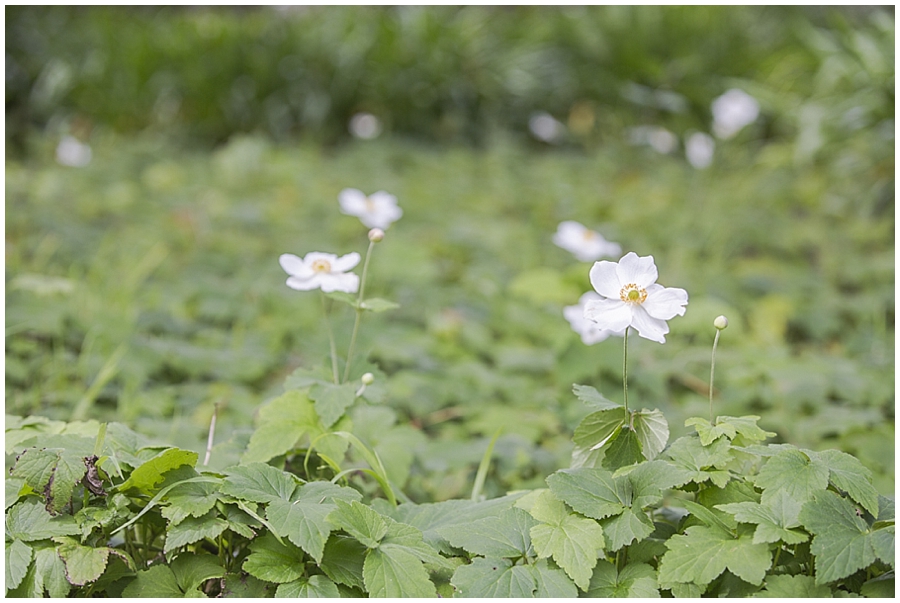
[72,152]
[588,329]
[377,210]
[546,128]
[699,149]
[585,244]
[321,270]
[630,297]
[365,126]
[732,111]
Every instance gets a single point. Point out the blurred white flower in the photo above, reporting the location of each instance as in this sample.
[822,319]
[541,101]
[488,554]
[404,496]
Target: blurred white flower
[72,152]
[546,128]
[658,138]
[318,270]
[732,111]
[630,297]
[378,210]
[588,329]
[365,126]
[699,148]
[585,244]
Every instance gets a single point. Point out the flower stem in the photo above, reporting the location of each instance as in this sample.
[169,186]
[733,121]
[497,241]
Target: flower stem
[625,369]
[359,310]
[334,363]
[712,374]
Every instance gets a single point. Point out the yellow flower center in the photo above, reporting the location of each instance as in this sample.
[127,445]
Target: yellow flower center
[321,265]
[589,235]
[632,294]
[370,205]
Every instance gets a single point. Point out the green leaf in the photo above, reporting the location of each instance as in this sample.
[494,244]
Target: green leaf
[31,586]
[698,461]
[793,587]
[598,427]
[83,563]
[314,587]
[622,530]
[190,499]
[54,472]
[393,572]
[843,543]
[494,578]
[192,529]
[331,400]
[711,518]
[343,560]
[623,449]
[881,587]
[552,582]
[506,535]
[748,432]
[280,424]
[409,539]
[273,561]
[591,491]
[708,432]
[52,572]
[376,304]
[18,559]
[635,580]
[572,540]
[793,472]
[29,521]
[14,486]
[652,431]
[848,474]
[702,553]
[259,482]
[649,480]
[590,396]
[238,585]
[773,520]
[343,297]
[303,523]
[149,475]
[191,570]
[360,521]
[157,582]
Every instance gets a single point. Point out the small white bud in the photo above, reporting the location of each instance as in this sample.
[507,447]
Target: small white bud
[376,235]
[368,378]
[720,322]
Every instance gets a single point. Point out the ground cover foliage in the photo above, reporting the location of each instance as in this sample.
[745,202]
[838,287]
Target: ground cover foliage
[491,454]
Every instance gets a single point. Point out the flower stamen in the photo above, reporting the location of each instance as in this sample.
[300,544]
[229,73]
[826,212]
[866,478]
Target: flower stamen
[632,294]
[321,265]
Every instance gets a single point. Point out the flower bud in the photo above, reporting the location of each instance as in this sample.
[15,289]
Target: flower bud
[368,378]
[720,322]
[376,235]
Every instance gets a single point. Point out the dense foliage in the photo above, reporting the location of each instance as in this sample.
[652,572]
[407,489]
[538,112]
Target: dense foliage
[177,425]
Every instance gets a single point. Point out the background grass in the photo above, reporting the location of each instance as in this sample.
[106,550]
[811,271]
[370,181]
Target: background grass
[145,287]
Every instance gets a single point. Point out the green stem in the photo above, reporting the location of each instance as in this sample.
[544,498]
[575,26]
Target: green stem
[359,310]
[712,375]
[334,363]
[625,369]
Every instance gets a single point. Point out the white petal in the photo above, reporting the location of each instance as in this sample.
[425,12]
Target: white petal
[610,314]
[648,327]
[302,284]
[293,265]
[348,283]
[665,302]
[345,262]
[382,199]
[605,280]
[638,270]
[352,201]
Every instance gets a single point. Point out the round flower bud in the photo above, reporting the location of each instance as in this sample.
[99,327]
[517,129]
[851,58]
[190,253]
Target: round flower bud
[368,378]
[720,322]
[376,235]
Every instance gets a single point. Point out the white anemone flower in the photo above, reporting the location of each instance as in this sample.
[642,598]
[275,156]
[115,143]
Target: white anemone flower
[378,210]
[732,111]
[630,297]
[699,149]
[585,244]
[588,329]
[318,270]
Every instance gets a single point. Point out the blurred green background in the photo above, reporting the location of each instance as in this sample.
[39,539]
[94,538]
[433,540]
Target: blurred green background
[159,159]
